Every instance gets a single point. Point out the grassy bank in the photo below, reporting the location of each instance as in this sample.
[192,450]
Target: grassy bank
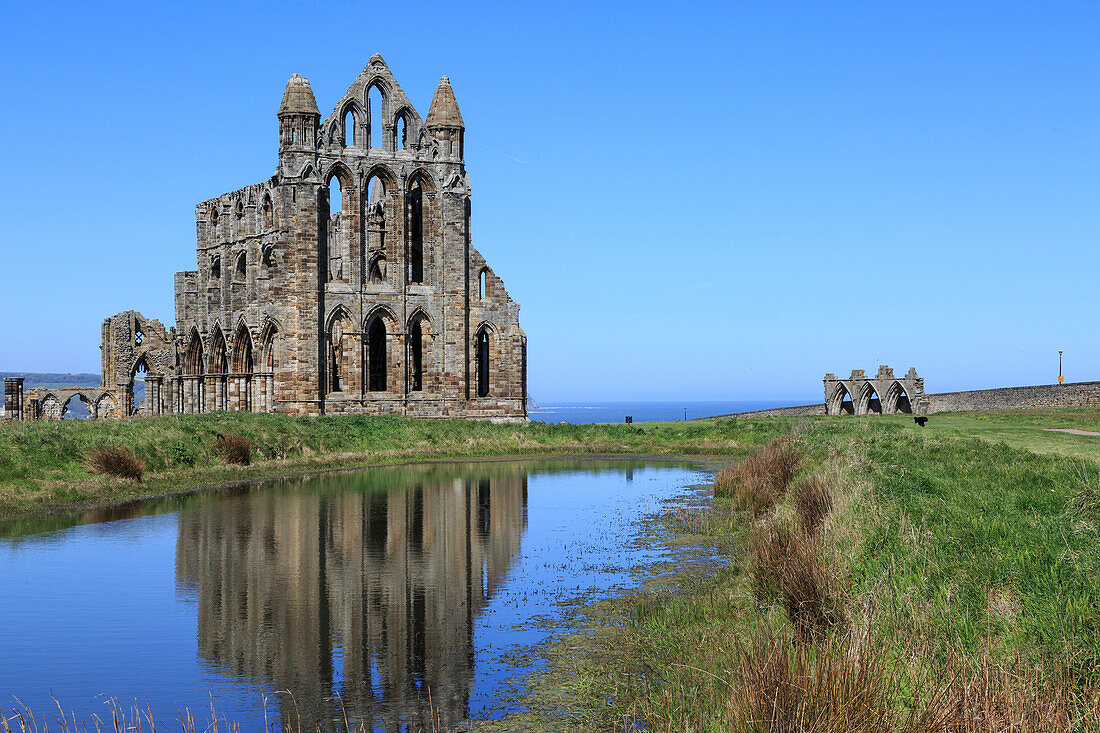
[954,584]
[43,465]
[1027,429]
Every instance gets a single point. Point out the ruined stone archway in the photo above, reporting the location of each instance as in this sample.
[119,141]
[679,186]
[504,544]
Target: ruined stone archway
[377,362]
[339,348]
[265,374]
[240,397]
[216,380]
[883,394]
[191,397]
[841,402]
[869,401]
[136,393]
[485,359]
[382,351]
[77,407]
[897,400]
[420,363]
[105,407]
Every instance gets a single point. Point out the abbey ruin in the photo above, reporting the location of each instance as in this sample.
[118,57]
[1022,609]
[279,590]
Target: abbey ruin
[883,394]
[345,283]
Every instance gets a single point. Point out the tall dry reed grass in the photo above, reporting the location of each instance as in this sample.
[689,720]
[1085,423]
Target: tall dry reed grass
[812,499]
[845,684]
[758,481]
[120,718]
[1085,501]
[115,461]
[780,684]
[233,448]
[787,566]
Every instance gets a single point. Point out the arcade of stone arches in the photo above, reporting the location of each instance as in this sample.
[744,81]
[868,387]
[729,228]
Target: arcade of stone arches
[379,359]
[883,394]
[216,378]
[155,374]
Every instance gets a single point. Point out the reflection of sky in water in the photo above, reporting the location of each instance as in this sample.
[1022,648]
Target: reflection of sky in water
[578,540]
[375,586]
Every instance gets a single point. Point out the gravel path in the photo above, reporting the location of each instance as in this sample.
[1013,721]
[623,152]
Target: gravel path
[1071,431]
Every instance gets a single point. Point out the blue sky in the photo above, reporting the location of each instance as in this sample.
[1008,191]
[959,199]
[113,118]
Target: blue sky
[689,201]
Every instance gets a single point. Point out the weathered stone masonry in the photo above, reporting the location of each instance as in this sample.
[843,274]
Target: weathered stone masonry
[882,394]
[887,394]
[861,395]
[1071,394]
[345,283]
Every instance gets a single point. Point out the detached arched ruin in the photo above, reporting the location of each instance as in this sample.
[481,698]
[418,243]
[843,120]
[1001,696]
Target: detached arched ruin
[139,365]
[883,394]
[345,283]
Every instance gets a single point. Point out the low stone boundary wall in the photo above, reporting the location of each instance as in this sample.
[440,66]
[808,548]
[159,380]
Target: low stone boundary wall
[796,411]
[1076,394]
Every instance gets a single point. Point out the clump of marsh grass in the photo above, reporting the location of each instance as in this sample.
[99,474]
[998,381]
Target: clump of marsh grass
[846,684]
[726,480]
[120,718]
[233,448]
[1085,501]
[759,480]
[787,566]
[812,501]
[993,695]
[115,461]
[783,685]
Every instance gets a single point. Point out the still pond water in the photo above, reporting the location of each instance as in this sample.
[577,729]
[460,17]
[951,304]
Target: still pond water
[375,586]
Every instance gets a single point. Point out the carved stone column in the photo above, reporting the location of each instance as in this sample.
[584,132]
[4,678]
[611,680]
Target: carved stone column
[153,394]
[13,398]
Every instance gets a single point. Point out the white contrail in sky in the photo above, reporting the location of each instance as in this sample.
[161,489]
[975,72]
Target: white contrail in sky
[499,152]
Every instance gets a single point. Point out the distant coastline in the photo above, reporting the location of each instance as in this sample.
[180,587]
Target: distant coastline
[55,379]
[576,413]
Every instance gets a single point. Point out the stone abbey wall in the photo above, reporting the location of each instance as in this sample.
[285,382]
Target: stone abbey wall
[794,411]
[839,397]
[347,282]
[860,395]
[882,394]
[1076,394]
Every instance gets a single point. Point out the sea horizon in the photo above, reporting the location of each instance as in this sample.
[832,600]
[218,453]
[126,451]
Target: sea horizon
[579,411]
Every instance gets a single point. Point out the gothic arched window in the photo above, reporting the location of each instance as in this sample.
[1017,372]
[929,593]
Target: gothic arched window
[483,363]
[416,234]
[376,355]
[349,128]
[416,357]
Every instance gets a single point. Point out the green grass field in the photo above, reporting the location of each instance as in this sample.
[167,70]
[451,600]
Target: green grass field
[42,464]
[966,557]
[1020,429]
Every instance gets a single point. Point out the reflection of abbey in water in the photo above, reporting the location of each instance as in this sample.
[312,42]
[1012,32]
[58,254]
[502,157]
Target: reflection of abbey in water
[338,586]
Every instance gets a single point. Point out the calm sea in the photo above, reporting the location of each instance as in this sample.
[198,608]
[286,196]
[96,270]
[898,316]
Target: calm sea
[584,412]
